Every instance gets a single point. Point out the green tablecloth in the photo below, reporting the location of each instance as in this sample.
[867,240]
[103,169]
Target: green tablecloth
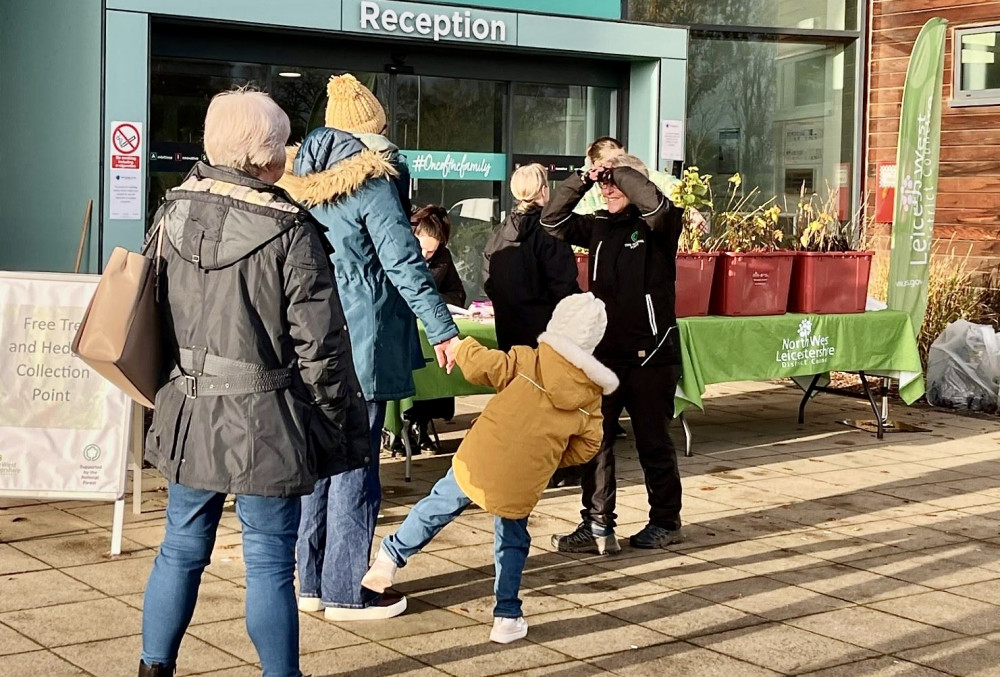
[726,349]
[433,382]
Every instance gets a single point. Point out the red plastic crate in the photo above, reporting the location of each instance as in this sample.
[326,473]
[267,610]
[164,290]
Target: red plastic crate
[695,271]
[752,283]
[830,282]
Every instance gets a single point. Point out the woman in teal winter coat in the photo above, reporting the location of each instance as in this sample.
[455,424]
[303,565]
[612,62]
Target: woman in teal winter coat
[384,284]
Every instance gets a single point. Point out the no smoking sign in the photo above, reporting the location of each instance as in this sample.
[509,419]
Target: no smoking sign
[126,138]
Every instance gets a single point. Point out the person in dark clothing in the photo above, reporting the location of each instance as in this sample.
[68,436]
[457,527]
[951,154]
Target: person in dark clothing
[633,245]
[526,273]
[262,399]
[432,229]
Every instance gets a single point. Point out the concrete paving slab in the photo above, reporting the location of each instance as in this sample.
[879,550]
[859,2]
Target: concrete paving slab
[14,561]
[79,549]
[73,623]
[783,648]
[769,598]
[872,629]
[41,589]
[39,663]
[679,659]
[12,641]
[969,657]
[679,614]
[879,667]
[945,610]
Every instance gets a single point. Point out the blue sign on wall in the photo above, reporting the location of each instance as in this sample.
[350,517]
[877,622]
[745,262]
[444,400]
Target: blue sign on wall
[456,165]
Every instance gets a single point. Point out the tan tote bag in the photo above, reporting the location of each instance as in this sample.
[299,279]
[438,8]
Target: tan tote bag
[120,334]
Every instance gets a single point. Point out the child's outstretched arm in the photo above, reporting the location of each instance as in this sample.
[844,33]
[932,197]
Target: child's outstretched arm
[583,447]
[485,367]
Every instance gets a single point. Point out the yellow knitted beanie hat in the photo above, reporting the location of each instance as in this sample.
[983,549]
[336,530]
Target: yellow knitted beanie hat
[352,107]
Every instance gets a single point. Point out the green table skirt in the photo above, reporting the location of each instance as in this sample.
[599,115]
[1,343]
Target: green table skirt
[433,382]
[727,349]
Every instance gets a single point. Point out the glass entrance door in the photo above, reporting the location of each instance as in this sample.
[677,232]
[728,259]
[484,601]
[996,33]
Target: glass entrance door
[461,136]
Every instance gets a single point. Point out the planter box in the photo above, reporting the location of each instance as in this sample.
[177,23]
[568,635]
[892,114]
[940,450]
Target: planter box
[582,271]
[695,271]
[754,283]
[830,282]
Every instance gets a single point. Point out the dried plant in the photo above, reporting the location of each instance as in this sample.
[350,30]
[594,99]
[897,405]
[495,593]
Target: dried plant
[818,227]
[693,194]
[744,226]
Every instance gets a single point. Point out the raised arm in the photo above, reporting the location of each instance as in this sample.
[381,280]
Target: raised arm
[558,218]
[657,211]
[485,367]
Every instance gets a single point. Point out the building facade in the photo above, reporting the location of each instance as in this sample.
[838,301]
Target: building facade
[968,204]
[104,99]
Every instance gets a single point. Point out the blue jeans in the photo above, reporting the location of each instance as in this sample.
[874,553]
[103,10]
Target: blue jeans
[338,528]
[269,526]
[433,513]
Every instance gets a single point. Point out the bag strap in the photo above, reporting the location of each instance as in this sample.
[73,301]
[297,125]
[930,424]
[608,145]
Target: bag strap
[160,228]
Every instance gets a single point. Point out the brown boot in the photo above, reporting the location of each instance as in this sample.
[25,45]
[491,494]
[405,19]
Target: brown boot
[155,670]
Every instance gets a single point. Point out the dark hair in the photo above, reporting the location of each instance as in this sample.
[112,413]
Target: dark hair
[432,221]
[602,144]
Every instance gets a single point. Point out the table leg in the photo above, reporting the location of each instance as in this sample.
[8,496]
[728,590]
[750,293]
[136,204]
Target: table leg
[687,436]
[875,408]
[805,398]
[408,446]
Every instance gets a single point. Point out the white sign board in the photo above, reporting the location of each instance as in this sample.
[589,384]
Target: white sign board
[63,428]
[672,140]
[125,179]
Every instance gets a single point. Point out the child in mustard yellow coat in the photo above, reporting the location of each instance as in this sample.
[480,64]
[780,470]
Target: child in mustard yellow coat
[546,415]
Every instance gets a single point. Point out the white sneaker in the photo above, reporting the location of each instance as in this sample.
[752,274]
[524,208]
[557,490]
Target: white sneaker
[389,606]
[380,577]
[310,605]
[507,630]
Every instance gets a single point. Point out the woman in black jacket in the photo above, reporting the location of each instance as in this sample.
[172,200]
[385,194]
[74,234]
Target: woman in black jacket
[526,272]
[262,399]
[633,247]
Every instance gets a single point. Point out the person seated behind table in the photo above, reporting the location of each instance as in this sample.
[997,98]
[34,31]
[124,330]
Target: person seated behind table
[432,229]
[546,415]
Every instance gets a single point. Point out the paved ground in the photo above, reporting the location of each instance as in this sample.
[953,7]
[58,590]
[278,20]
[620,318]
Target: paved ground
[811,549]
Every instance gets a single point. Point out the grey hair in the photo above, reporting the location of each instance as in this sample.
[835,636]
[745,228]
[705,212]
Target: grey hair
[625,160]
[246,130]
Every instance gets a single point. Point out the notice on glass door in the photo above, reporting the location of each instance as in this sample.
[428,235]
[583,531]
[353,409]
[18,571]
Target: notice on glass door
[672,140]
[125,180]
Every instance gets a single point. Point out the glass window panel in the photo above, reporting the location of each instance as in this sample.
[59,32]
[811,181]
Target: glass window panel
[979,60]
[804,14]
[781,114]
[561,119]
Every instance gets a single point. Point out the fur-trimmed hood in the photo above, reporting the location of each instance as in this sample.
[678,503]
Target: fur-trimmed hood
[331,164]
[564,395]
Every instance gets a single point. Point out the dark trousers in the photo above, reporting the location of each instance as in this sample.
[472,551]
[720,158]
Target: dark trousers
[648,394]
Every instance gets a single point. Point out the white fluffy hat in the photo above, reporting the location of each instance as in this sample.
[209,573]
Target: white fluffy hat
[581,318]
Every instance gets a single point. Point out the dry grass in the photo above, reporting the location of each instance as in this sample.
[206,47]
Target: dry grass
[952,292]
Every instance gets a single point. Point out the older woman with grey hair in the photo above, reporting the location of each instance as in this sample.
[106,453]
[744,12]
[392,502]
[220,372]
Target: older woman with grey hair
[260,399]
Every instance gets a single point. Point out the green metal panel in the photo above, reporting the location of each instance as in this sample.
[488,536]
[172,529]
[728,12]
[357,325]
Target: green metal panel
[673,94]
[320,14]
[50,79]
[126,99]
[601,37]
[596,9]
[643,110]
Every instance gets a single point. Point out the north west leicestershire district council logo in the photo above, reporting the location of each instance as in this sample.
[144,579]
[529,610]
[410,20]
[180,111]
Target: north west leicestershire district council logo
[805,328]
[91,452]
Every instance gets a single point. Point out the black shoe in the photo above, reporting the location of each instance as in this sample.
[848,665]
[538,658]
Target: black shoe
[588,537]
[653,537]
[155,670]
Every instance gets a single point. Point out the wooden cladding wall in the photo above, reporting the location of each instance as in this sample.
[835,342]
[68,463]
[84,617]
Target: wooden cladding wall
[968,211]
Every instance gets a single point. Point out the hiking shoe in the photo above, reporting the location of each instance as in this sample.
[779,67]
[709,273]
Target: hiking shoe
[652,537]
[382,573]
[389,605]
[507,630]
[588,537]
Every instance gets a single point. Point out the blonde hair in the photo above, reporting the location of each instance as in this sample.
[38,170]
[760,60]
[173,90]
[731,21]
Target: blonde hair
[604,148]
[625,160]
[246,130]
[527,183]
